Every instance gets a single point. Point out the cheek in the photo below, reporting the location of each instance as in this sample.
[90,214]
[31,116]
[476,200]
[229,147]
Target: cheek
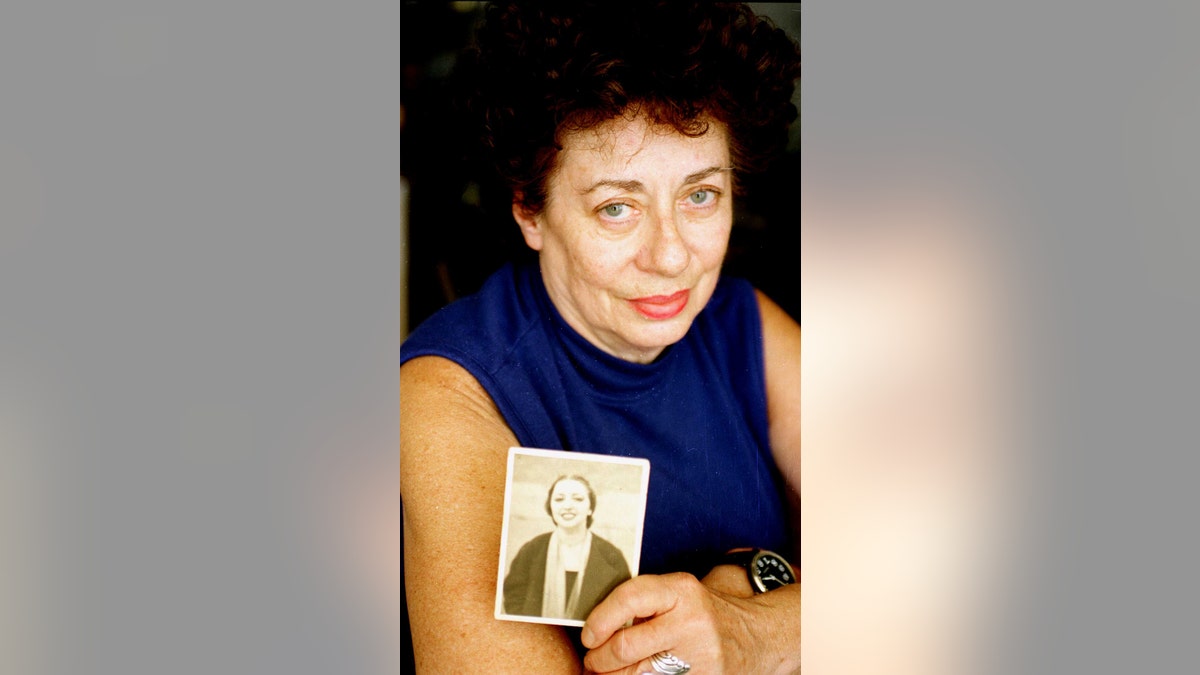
[707,238]
[711,242]
[602,264]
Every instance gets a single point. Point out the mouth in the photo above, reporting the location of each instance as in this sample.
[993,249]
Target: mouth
[661,307]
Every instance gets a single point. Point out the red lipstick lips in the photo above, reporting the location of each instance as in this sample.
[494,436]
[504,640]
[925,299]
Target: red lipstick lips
[661,307]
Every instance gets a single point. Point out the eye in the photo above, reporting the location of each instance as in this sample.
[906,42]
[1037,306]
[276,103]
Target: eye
[702,197]
[616,210]
[618,216]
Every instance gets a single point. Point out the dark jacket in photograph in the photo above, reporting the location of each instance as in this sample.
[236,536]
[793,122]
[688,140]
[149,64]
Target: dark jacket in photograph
[606,569]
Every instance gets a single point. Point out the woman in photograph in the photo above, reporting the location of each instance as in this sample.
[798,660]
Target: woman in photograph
[623,132]
[566,572]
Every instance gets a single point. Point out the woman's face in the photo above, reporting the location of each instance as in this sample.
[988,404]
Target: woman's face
[569,504]
[634,230]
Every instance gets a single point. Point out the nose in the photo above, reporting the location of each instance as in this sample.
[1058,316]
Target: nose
[664,252]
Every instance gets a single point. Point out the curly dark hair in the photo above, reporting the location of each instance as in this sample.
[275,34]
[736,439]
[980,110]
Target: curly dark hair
[544,68]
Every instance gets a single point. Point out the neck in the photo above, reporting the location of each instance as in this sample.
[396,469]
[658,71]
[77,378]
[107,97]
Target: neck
[572,536]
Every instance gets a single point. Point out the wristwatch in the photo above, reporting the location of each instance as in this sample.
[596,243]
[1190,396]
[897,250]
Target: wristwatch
[766,570]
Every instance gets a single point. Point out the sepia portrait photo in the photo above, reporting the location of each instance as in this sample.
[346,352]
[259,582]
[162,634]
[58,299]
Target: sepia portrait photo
[572,533]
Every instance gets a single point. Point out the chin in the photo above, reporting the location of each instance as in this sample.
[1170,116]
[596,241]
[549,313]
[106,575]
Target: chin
[663,334]
[659,340]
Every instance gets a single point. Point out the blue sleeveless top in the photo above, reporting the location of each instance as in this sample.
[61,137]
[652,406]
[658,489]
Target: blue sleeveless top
[698,413]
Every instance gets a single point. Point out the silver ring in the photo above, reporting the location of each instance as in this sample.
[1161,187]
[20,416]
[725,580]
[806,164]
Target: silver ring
[669,664]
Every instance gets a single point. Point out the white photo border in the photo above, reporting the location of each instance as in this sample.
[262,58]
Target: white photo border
[584,457]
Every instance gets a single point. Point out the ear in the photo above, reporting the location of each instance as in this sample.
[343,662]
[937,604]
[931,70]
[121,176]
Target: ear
[530,224]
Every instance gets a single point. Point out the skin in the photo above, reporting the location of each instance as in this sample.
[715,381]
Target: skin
[633,211]
[569,505]
[662,235]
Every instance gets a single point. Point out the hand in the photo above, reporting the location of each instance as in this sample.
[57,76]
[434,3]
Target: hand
[708,624]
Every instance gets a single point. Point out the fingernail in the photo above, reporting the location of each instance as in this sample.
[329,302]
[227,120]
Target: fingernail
[587,637]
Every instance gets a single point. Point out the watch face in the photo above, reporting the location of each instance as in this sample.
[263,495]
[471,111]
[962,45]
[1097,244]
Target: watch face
[771,571]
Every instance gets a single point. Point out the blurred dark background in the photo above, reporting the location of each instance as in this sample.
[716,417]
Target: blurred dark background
[458,228]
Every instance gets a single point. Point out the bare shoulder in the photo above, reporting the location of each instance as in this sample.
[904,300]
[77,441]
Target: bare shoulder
[432,384]
[781,360]
[447,416]
[779,329]
[453,451]
[781,351]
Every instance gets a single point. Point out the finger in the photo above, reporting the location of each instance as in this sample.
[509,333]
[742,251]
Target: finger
[629,646]
[642,596]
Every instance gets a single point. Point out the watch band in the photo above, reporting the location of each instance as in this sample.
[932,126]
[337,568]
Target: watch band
[739,558]
[744,559]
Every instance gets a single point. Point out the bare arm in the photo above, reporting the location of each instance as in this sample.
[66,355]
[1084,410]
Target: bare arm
[453,449]
[781,347]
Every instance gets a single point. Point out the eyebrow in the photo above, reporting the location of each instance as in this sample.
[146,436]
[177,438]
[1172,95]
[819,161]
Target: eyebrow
[705,173]
[638,186]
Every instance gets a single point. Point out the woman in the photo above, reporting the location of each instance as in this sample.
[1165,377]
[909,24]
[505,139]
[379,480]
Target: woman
[566,572]
[621,131]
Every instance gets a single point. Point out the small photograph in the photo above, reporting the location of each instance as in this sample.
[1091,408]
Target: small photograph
[572,533]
